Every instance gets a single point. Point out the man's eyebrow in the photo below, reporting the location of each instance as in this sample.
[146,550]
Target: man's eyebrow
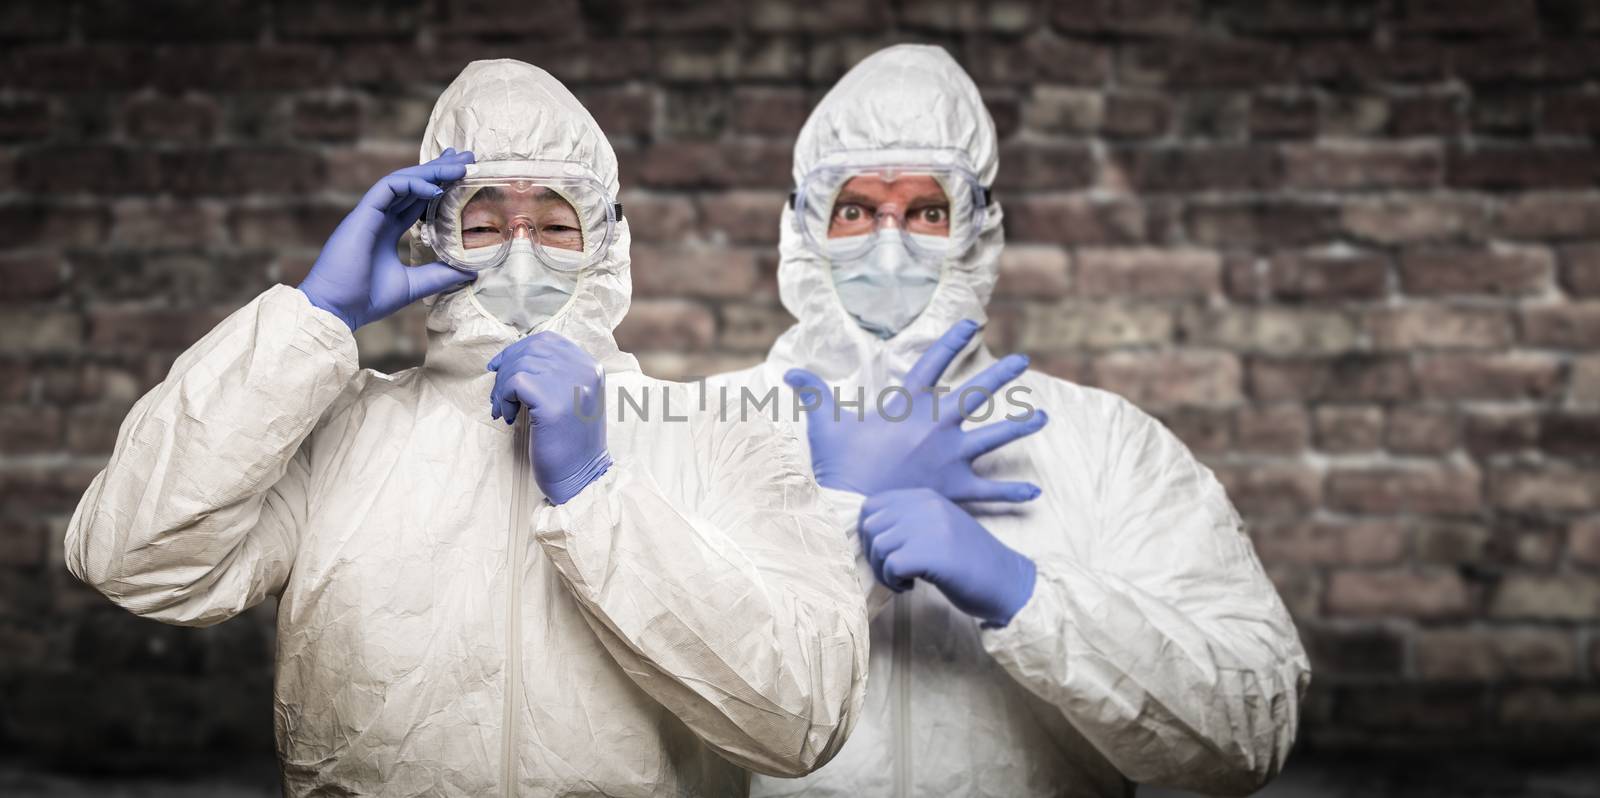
[853,198]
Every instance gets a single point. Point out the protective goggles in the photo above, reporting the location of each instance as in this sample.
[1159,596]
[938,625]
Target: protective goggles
[560,206]
[929,194]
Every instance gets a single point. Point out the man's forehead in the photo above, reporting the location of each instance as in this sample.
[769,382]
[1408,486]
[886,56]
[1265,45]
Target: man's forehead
[509,197]
[901,187]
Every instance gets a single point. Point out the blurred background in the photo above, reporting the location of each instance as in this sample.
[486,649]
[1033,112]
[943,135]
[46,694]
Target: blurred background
[1348,250]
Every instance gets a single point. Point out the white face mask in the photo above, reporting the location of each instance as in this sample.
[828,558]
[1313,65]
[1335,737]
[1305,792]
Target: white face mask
[523,292]
[886,287]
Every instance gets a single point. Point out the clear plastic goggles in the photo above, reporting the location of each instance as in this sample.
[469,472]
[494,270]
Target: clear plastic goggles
[928,194]
[560,206]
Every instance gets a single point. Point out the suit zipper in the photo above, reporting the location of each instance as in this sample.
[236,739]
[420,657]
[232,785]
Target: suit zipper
[521,500]
[902,694]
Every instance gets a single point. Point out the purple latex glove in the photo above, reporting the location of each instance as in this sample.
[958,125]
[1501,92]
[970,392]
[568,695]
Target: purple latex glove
[563,390]
[918,441]
[358,275]
[918,534]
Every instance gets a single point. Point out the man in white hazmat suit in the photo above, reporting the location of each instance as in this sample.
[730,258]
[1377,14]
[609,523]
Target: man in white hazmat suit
[1112,624]
[673,610]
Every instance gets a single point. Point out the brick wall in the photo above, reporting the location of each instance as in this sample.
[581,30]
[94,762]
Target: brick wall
[1349,250]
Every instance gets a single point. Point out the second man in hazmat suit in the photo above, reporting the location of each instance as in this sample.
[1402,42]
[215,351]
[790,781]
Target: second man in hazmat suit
[665,607]
[1087,609]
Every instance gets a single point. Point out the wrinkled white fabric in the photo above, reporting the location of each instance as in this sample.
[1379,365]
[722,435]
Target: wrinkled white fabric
[689,614]
[1154,649]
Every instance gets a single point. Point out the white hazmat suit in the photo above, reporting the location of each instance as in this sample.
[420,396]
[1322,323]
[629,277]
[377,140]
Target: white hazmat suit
[688,614]
[1153,649]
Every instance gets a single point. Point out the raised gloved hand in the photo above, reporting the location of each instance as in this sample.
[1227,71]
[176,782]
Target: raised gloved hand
[358,276]
[918,534]
[563,390]
[917,442]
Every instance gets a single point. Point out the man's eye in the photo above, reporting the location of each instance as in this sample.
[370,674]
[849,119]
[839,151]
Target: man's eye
[851,213]
[934,215]
[482,230]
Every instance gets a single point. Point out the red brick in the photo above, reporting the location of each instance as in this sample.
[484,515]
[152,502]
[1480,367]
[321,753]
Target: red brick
[1153,273]
[1583,541]
[1349,428]
[552,19]
[1500,432]
[1523,167]
[1365,378]
[1127,16]
[1560,596]
[1201,63]
[1412,594]
[1575,326]
[22,541]
[1233,223]
[1345,63]
[29,429]
[1425,115]
[1430,489]
[1033,271]
[1550,488]
[333,118]
[1272,429]
[1365,166]
[1273,329]
[1571,114]
[1570,433]
[743,217]
[1202,429]
[1339,652]
[1136,116]
[92,429]
[1324,277]
[1270,490]
[1515,376]
[671,324]
[1274,116]
[1502,114]
[29,277]
[1550,216]
[1056,110]
[280,226]
[1190,168]
[1580,269]
[751,327]
[1483,655]
[1550,709]
[693,271]
[690,164]
[1045,166]
[1075,220]
[134,328]
[40,330]
[1415,219]
[1184,377]
[1411,327]
[1502,272]
[1358,542]
[767,111]
[1420,430]
[654,217]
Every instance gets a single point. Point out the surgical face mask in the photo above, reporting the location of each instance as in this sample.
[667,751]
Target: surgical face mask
[522,291]
[883,283]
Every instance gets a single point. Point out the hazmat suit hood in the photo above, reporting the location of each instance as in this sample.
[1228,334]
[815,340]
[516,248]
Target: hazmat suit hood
[504,110]
[903,97]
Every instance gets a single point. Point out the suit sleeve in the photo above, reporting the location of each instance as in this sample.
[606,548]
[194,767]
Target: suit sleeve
[1166,647]
[739,614]
[198,514]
